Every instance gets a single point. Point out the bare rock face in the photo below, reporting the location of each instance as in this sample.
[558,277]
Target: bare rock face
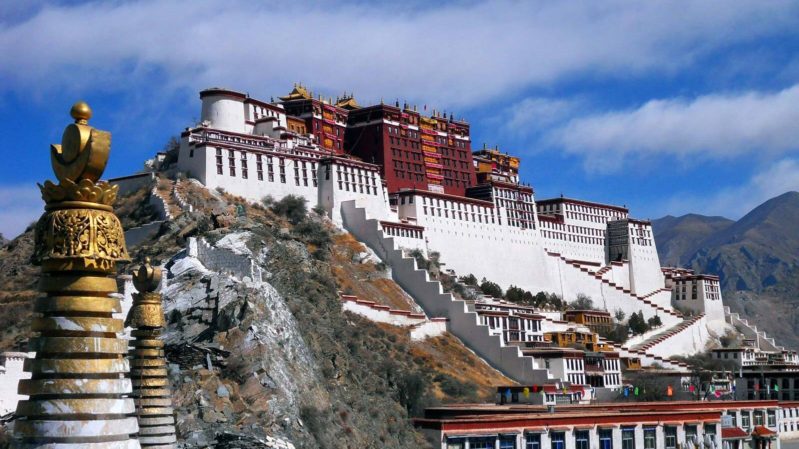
[240,365]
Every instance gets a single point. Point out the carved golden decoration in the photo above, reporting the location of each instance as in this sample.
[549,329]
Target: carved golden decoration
[84,190]
[151,391]
[77,394]
[93,236]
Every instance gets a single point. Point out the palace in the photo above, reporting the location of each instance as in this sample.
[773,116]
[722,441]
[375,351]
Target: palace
[402,181]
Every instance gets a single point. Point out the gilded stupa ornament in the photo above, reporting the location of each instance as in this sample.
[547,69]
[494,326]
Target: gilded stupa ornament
[151,391]
[79,389]
[80,228]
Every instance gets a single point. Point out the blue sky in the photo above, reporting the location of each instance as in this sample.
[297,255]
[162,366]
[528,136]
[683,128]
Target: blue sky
[666,107]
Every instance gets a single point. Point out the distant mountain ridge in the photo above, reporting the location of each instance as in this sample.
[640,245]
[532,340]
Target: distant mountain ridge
[678,237]
[750,254]
[756,257]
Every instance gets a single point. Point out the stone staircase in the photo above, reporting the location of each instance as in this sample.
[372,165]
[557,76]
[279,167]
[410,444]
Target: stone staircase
[666,334]
[647,359]
[419,326]
[626,291]
[764,342]
[429,294]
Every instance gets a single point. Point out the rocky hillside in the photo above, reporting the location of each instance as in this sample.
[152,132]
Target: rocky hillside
[278,358]
[756,257]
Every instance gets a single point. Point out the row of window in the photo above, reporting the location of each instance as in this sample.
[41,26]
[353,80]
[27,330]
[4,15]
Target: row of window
[581,438]
[402,232]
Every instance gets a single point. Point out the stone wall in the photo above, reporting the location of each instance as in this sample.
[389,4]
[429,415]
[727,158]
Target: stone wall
[128,184]
[224,260]
[10,374]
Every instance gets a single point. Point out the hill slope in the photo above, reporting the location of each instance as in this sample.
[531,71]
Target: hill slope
[288,361]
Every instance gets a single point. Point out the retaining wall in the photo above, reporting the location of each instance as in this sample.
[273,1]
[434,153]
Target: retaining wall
[224,260]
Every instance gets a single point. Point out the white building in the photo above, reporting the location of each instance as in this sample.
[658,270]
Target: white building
[499,231]
[11,373]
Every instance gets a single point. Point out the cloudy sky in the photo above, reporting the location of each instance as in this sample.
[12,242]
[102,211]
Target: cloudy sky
[666,107]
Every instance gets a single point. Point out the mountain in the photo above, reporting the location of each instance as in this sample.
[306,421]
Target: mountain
[678,237]
[756,257]
[757,251]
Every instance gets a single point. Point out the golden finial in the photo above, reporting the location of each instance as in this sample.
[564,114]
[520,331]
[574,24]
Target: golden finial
[84,151]
[81,112]
[147,278]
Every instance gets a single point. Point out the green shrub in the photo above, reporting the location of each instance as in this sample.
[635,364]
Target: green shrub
[314,233]
[294,208]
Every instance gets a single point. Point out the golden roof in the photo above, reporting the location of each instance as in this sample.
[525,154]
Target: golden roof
[347,103]
[298,93]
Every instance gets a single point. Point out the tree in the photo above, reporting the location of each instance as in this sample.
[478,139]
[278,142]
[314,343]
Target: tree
[654,322]
[619,315]
[540,299]
[583,302]
[490,288]
[637,323]
[515,294]
[469,279]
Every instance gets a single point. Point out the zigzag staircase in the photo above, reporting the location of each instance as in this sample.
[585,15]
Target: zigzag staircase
[429,294]
[666,334]
[625,291]
[764,342]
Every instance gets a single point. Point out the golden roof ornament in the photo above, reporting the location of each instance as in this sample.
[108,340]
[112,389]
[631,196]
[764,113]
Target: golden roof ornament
[80,227]
[78,392]
[151,390]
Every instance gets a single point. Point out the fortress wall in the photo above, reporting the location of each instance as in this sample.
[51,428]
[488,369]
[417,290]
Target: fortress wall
[619,274]
[690,340]
[224,260]
[503,254]
[10,374]
[365,188]
[132,183]
[383,315]
[429,329]
[254,189]
[576,250]
[645,268]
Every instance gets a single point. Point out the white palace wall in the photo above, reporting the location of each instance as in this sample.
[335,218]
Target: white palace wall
[10,374]
[503,254]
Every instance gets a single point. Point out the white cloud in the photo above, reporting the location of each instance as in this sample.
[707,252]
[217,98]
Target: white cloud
[535,114]
[734,202]
[454,55]
[705,128]
[20,205]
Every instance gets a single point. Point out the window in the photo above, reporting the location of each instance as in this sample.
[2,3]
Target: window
[507,442]
[710,430]
[690,433]
[605,438]
[456,443]
[481,443]
[746,421]
[580,439]
[533,441]
[772,419]
[557,440]
[671,436]
[650,438]
[758,417]
[628,438]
